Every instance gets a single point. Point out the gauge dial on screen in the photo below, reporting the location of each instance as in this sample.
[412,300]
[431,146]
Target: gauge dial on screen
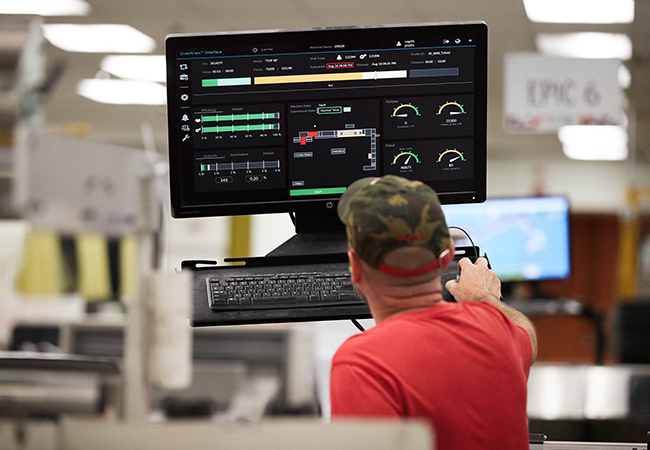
[406,110]
[451,158]
[451,109]
[406,158]
[405,161]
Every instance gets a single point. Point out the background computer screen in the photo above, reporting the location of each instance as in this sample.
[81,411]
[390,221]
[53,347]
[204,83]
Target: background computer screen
[279,121]
[524,238]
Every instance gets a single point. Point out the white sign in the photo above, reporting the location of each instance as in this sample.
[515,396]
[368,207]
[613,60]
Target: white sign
[75,185]
[542,93]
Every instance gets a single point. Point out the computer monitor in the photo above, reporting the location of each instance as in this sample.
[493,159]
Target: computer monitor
[284,121]
[524,238]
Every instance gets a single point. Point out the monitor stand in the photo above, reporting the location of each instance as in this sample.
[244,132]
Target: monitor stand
[316,233]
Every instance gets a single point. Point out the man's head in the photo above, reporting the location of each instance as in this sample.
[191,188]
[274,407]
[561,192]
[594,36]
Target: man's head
[396,226]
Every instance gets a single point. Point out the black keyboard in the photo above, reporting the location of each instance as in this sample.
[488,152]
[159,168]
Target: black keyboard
[281,290]
[275,289]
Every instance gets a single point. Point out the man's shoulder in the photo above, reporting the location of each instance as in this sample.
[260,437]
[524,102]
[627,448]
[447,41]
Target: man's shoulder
[401,326]
[386,335]
[351,349]
[373,340]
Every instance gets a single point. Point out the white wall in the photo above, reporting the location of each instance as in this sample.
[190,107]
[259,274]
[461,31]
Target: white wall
[269,231]
[12,236]
[201,238]
[596,186]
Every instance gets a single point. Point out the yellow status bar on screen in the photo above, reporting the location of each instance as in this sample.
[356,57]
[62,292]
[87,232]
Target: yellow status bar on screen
[325,77]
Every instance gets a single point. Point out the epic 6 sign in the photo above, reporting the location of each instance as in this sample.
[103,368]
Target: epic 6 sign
[541,93]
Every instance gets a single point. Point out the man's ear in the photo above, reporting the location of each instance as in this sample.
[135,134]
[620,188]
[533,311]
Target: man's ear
[452,249]
[355,266]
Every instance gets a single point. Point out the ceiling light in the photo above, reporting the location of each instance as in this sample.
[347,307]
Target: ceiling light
[580,11]
[594,142]
[624,77]
[136,67]
[98,38]
[122,92]
[45,7]
[585,45]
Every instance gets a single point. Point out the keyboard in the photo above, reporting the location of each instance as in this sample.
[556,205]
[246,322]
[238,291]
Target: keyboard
[281,290]
[275,289]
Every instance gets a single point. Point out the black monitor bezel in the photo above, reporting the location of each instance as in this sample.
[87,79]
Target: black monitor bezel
[321,205]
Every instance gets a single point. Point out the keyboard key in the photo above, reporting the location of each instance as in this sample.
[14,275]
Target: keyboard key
[219,300]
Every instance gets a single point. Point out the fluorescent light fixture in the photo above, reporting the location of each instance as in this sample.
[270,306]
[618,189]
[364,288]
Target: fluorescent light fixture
[109,38]
[594,142]
[122,92]
[45,7]
[585,45]
[136,67]
[580,11]
[624,77]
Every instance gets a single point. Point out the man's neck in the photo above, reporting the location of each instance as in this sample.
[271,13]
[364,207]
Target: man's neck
[389,295]
[384,306]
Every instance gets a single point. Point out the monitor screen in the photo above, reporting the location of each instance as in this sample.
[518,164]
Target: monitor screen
[524,238]
[275,121]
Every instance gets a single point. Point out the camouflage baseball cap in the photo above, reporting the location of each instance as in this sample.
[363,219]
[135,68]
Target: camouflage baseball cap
[388,213]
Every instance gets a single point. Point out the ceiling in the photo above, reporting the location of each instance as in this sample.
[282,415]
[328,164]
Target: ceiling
[509,30]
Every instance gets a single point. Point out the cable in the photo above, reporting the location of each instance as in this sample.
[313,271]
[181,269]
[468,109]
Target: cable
[358,325]
[470,240]
[475,251]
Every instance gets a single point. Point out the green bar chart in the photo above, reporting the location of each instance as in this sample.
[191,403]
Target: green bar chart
[237,117]
[220,82]
[235,128]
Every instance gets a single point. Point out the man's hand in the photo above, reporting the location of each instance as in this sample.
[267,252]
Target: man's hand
[477,282]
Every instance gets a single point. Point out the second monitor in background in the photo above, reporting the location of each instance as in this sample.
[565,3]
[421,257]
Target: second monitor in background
[526,239]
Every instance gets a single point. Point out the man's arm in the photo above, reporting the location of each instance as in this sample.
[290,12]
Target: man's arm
[478,283]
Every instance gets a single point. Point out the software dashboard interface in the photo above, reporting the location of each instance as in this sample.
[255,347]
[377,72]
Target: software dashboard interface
[285,121]
[524,238]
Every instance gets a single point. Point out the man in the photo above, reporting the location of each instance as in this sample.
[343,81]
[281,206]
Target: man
[462,366]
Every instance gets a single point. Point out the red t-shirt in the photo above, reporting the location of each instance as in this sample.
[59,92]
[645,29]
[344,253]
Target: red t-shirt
[463,366]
